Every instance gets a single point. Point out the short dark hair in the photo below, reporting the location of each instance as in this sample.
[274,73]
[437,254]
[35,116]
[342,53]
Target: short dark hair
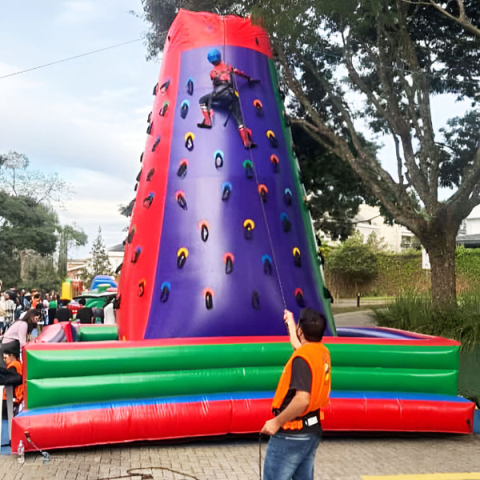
[313,324]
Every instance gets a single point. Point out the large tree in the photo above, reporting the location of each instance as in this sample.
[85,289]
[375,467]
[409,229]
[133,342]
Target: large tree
[16,178]
[24,226]
[70,236]
[372,68]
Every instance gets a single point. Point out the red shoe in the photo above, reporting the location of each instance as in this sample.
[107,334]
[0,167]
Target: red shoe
[246,136]
[207,120]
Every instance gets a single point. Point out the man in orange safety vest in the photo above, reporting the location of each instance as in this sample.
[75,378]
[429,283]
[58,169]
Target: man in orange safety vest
[303,389]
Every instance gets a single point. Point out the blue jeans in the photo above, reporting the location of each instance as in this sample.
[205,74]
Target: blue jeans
[291,457]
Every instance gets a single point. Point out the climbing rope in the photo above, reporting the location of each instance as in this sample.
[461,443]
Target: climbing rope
[262,204]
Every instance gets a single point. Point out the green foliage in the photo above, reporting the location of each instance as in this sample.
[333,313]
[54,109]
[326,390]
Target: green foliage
[354,261]
[99,264]
[42,275]
[24,225]
[418,313]
[70,237]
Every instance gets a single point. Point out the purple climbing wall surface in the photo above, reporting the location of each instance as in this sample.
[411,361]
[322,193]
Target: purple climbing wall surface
[248,300]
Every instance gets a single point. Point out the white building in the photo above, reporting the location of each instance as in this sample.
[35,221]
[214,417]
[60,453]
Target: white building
[469,233]
[395,237]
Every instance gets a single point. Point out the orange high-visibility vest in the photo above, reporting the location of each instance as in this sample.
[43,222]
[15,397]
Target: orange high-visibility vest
[18,392]
[317,357]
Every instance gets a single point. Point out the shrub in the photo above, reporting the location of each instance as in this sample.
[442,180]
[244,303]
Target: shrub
[418,313]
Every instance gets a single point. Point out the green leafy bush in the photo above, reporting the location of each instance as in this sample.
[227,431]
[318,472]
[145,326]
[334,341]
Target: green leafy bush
[418,313]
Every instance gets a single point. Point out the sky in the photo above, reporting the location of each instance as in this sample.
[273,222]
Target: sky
[86,118]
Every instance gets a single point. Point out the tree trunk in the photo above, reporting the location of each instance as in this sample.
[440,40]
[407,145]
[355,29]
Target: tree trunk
[440,246]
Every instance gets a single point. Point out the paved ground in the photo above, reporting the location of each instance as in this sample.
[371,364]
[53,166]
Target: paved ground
[237,459]
[354,319]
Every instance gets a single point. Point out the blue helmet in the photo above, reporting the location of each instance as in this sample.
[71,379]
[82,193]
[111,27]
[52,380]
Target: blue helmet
[214,55]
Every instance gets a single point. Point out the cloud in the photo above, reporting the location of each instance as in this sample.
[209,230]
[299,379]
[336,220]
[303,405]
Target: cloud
[75,12]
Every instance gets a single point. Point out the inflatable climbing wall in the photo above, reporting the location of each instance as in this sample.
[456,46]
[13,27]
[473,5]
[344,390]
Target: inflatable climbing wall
[220,240]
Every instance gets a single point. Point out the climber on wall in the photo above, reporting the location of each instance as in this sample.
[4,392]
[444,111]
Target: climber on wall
[224,95]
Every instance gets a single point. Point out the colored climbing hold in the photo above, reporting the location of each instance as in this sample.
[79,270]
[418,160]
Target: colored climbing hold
[190,86]
[258,107]
[155,89]
[275,162]
[182,168]
[184,108]
[208,295]
[204,232]
[256,300]
[226,191]
[149,128]
[263,191]
[271,137]
[287,226]
[248,166]
[149,118]
[139,176]
[147,201]
[131,234]
[189,138]
[287,196]
[218,156]
[297,257]
[117,302]
[165,291]
[150,174]
[155,145]
[228,260]
[248,227]
[267,264]
[141,287]
[182,256]
[141,157]
[136,254]
[164,109]
[299,297]
[136,187]
[165,86]
[180,198]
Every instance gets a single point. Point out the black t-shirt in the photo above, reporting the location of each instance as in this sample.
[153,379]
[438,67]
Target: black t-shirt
[63,314]
[301,380]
